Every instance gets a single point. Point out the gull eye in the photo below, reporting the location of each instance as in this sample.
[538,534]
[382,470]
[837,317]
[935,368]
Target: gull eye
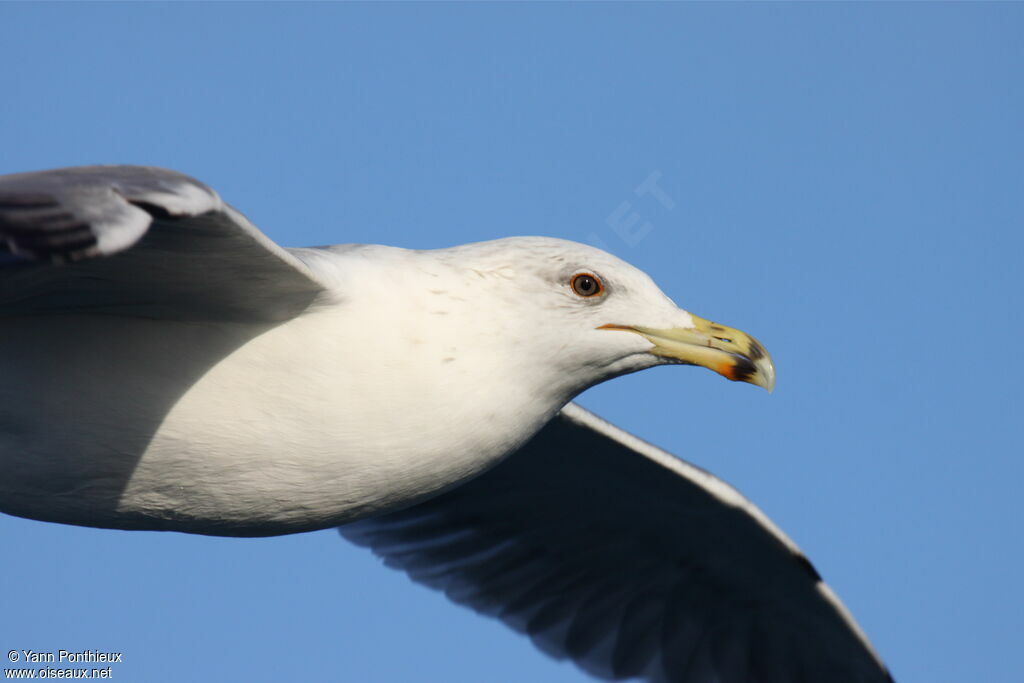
[586,285]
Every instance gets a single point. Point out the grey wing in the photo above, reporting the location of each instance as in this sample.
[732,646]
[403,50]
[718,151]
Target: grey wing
[629,561]
[139,241]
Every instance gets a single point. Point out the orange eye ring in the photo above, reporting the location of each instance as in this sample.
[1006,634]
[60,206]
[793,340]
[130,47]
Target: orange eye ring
[586,285]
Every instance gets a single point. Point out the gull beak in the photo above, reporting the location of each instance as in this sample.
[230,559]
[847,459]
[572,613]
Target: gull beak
[732,354]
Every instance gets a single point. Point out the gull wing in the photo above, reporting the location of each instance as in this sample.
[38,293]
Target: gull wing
[631,562]
[120,288]
[144,241]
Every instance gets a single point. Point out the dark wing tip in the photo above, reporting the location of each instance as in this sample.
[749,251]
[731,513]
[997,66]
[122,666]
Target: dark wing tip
[35,226]
[71,214]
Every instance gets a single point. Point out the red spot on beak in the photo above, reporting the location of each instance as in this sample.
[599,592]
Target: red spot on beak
[727,370]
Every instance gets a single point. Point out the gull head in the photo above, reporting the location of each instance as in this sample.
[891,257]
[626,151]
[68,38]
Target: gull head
[595,316]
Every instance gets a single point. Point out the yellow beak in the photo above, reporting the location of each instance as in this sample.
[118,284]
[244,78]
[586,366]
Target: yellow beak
[733,354]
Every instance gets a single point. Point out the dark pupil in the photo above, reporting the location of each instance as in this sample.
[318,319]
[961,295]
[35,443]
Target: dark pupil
[585,285]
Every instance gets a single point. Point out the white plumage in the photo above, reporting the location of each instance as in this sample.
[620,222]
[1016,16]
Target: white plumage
[182,372]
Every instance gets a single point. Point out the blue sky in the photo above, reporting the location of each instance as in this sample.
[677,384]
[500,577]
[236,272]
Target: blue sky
[846,185]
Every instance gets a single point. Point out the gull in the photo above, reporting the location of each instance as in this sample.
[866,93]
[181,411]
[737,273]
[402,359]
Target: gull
[168,367]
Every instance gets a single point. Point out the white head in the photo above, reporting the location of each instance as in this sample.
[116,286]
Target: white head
[588,316]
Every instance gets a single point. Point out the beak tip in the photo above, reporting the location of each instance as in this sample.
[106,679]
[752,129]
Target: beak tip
[767,376]
[760,372]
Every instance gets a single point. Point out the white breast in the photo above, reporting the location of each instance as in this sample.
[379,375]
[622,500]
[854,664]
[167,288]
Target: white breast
[315,422]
